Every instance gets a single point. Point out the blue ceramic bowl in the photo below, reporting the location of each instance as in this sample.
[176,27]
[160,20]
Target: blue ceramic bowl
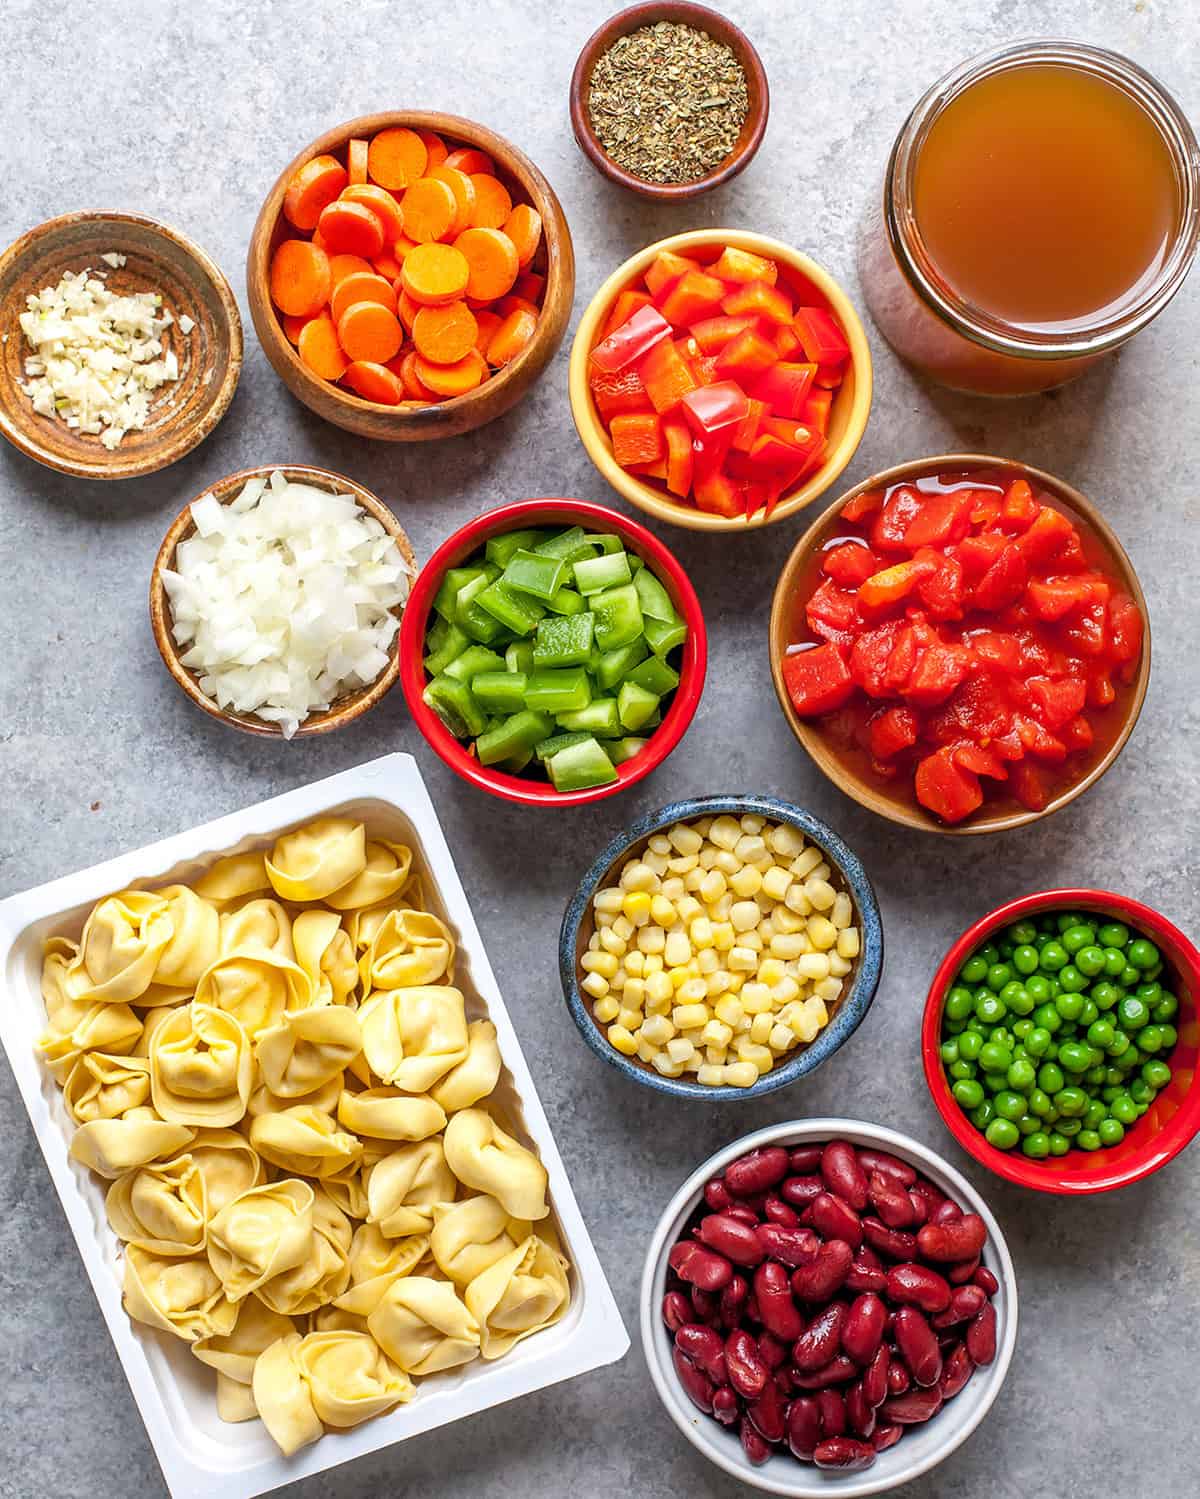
[851,1008]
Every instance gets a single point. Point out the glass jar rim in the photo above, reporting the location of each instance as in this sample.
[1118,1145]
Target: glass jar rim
[973,322]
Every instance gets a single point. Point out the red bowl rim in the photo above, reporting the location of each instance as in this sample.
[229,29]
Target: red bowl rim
[1155,1152]
[464,541]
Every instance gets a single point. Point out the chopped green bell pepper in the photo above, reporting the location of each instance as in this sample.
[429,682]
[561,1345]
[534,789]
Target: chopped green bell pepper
[472,661]
[594,574]
[565,640]
[500,550]
[635,705]
[527,572]
[518,612]
[558,691]
[580,766]
[455,705]
[654,598]
[618,616]
[600,718]
[500,691]
[513,736]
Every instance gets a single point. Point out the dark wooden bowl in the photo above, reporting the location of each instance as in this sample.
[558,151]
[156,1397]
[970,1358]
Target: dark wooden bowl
[182,412]
[868,795]
[555,259]
[347,708]
[703,19]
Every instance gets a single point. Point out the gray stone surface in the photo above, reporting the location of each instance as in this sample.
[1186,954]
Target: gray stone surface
[187,112]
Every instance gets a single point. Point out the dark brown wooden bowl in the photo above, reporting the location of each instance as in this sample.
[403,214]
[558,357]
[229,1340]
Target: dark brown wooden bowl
[347,708]
[182,412]
[703,19]
[555,259]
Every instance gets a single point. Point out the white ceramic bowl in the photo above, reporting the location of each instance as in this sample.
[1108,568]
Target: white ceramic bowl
[923,1447]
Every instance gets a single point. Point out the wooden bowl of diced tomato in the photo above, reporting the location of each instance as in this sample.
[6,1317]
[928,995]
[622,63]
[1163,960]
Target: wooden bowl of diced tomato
[720,379]
[410,275]
[961,644]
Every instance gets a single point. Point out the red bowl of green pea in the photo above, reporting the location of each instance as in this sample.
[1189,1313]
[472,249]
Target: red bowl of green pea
[1061,1038]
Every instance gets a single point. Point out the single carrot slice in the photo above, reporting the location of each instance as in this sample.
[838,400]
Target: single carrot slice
[445,334]
[351,229]
[486,323]
[387,266]
[381,203]
[318,239]
[429,209]
[511,336]
[513,303]
[300,278]
[530,286]
[492,258]
[406,308]
[293,327]
[402,246]
[524,227]
[452,379]
[366,330]
[464,194]
[471,160]
[320,350]
[434,274]
[414,387]
[374,382]
[364,286]
[341,266]
[356,161]
[313,187]
[435,147]
[396,157]
[492,201]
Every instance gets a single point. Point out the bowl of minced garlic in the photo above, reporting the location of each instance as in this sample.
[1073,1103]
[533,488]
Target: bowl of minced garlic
[669,100]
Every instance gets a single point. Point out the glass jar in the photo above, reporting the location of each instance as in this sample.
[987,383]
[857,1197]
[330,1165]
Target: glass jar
[963,346]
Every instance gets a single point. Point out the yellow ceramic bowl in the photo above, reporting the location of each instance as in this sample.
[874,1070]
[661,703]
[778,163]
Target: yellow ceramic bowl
[848,419]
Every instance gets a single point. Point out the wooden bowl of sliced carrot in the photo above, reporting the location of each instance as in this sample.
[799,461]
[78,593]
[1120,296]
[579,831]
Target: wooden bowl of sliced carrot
[410,275]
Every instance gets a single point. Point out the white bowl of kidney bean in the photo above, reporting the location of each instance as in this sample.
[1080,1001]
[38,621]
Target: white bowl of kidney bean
[827,1307]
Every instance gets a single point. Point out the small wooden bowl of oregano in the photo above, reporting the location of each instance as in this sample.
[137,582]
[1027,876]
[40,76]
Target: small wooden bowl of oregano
[669,100]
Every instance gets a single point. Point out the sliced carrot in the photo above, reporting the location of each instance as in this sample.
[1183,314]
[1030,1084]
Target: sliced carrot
[314,185]
[366,330]
[452,379]
[492,201]
[492,258]
[293,327]
[524,227]
[356,161]
[464,194]
[300,278]
[406,308]
[320,350]
[414,387]
[341,266]
[387,266]
[514,303]
[364,286]
[351,229]
[381,203]
[318,239]
[396,157]
[430,210]
[530,286]
[435,147]
[470,160]
[511,336]
[374,382]
[434,274]
[486,323]
[402,246]
[445,335]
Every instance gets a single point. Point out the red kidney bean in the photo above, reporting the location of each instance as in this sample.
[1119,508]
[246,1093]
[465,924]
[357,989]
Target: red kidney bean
[744,1365]
[818,1282]
[898,1378]
[961,1275]
[835,1219]
[959,1240]
[986,1281]
[839,1370]
[725,1406]
[803,1427]
[860,1413]
[913,1408]
[884,1437]
[875,1380]
[918,1285]
[716,1194]
[864,1277]
[676,1310]
[752,1443]
[752,1312]
[981,1336]
[758,1171]
[791,1246]
[918,1346]
[886,1165]
[896,1243]
[958,1369]
[843,1175]
[743,1214]
[706,1306]
[923,1187]
[920,1207]
[733,1299]
[844,1454]
[946,1211]
[821,1339]
[700,1266]
[779,1212]
[965,1302]
[696,1384]
[800,1190]
[772,1350]
[833,1412]
[862,1331]
[736,1240]
[769,1412]
[890,1201]
[783,1378]
[705,1348]
[805,1158]
[776,1308]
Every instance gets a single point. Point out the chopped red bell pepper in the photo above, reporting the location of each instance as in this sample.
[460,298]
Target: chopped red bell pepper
[742,266]
[849,563]
[655,470]
[899,510]
[787,344]
[770,451]
[817,680]
[785,387]
[945,788]
[713,333]
[679,456]
[713,407]
[815,411]
[942,520]
[627,303]
[618,391]
[667,376]
[758,299]
[694,296]
[666,268]
[717,493]
[636,437]
[748,427]
[824,342]
[745,357]
[892,730]
[634,338]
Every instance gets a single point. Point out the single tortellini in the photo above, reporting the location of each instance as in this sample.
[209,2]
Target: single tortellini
[334,1319]
[307,1049]
[471,1235]
[183,1297]
[412,1037]
[423,1326]
[259,924]
[260,1234]
[234,1354]
[318,859]
[228,1163]
[235,1402]
[195,938]
[304,1142]
[281,1396]
[518,1295]
[201,1067]
[476,1075]
[104,1087]
[326,954]
[403,1188]
[408,949]
[324,1274]
[160,1208]
[57,956]
[348,1188]
[111,1147]
[151,1020]
[375,1262]
[483,1156]
[385,873]
[388,1114]
[340,1378]
[325,1098]
[234,878]
[78,1026]
[123,940]
[258,987]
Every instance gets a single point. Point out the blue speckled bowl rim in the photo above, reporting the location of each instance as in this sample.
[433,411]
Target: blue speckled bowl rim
[851,1010]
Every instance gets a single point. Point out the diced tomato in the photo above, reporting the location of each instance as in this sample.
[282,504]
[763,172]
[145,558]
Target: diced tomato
[870,502]
[1052,598]
[1008,746]
[899,510]
[1087,630]
[833,614]
[977,710]
[667,376]
[938,672]
[713,333]
[1004,581]
[1028,787]
[869,658]
[985,509]
[903,660]
[785,387]
[981,761]
[617,391]
[1035,657]
[849,563]
[998,649]
[1101,691]
[942,520]
[758,299]
[817,681]
[1040,742]
[665,269]
[1077,734]
[1046,537]
[1125,628]
[977,553]
[940,586]
[1019,509]
[945,788]
[893,583]
[1055,702]
[892,730]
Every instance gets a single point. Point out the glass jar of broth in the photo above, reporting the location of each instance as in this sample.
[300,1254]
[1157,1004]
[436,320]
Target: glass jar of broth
[1040,205]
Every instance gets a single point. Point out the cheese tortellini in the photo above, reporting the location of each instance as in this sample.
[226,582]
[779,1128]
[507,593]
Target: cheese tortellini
[287,1098]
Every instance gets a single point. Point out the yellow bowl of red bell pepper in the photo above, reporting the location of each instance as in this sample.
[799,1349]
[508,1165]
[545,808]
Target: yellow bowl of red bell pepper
[720,379]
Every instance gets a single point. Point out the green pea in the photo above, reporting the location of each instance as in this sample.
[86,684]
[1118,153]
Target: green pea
[976,1025]
[1133,1012]
[961,1069]
[1114,962]
[1089,1013]
[1157,1074]
[1000,1035]
[1141,1091]
[1009,1105]
[1075,1056]
[968,1094]
[1090,960]
[1022,933]
[1053,956]
[959,1003]
[1169,1036]
[998,975]
[1154,971]
[1142,954]
[970,1044]
[1022,1075]
[1059,1144]
[1063,920]
[1150,1038]
[1038,988]
[974,970]
[1124,1108]
[1071,1102]
[1025,959]
[1119,1045]
[953,1027]
[1101,1032]
[990,1008]
[1130,977]
[1050,1078]
[1166,1009]
[989,952]
[982,1116]
[1038,1041]
[995,1082]
[1039,1103]
[1111,1131]
[1094,1113]
[1048,1017]
[1129,1060]
[1036,1146]
[1071,1127]
[1075,938]
[1068,1005]
[1022,1027]
[1088,1139]
[1028,1125]
[1113,934]
[994,1057]
[1151,993]
[948,1051]
[1072,980]
[1105,995]
[1002,1133]
[1094,1076]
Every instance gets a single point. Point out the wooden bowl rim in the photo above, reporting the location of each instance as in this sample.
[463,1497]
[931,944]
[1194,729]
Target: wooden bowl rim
[176,443]
[653,501]
[346,709]
[557,299]
[722,29]
[829,763]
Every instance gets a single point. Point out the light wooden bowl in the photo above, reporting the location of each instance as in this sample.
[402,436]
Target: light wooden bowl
[354,704]
[159,259]
[555,259]
[1070,500]
[847,421]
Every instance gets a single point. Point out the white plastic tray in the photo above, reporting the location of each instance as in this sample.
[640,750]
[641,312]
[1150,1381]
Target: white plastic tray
[198,1453]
